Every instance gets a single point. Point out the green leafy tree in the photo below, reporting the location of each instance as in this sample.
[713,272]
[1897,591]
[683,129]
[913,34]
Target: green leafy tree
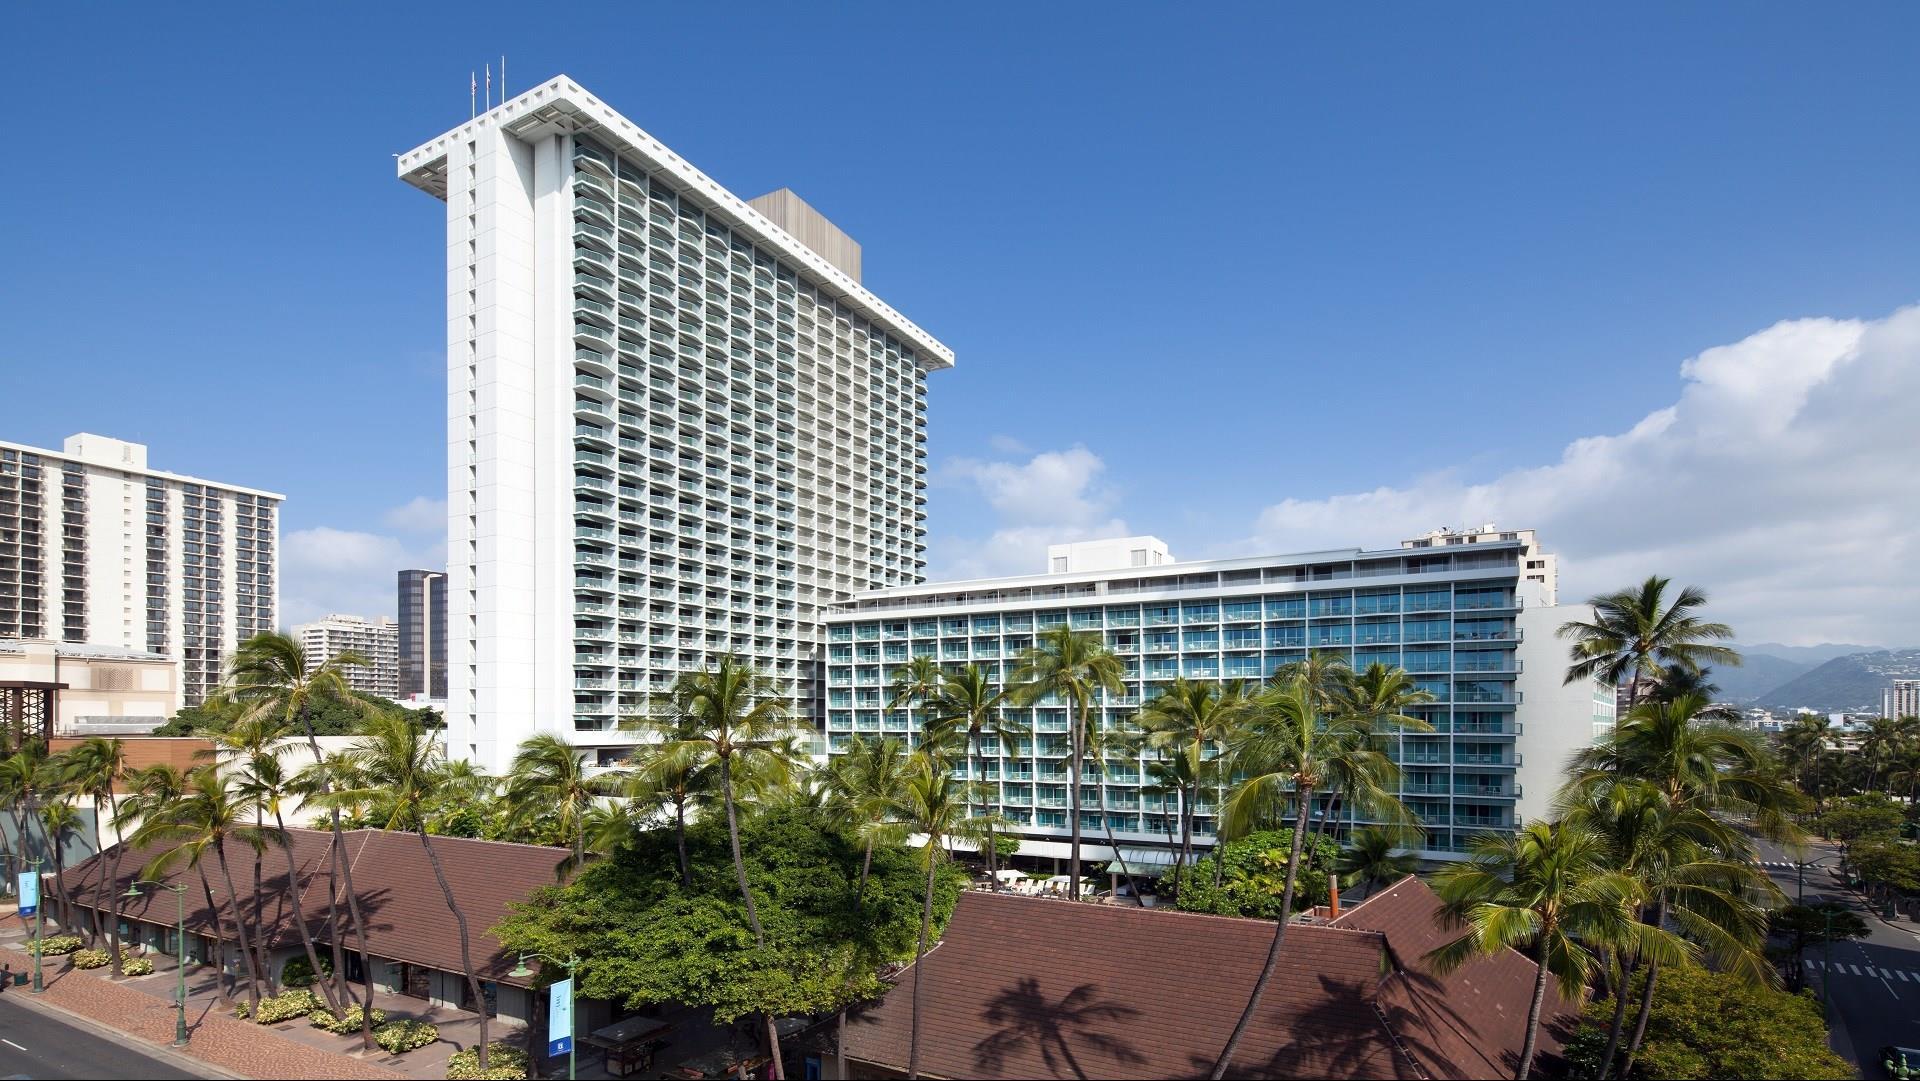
[1549,892]
[1374,857]
[1868,815]
[1634,633]
[1073,669]
[1187,725]
[868,784]
[737,717]
[1252,875]
[1709,1024]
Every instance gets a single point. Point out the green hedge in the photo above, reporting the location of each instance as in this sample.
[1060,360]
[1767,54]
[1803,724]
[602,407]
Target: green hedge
[402,1036]
[284,1006]
[344,1025]
[91,958]
[136,966]
[55,945]
[505,1062]
[298,973]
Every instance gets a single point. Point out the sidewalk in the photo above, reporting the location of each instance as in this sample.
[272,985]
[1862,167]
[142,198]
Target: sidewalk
[233,1047]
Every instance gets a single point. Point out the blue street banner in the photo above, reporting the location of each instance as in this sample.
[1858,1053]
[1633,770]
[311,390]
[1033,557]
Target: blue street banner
[560,1018]
[29,892]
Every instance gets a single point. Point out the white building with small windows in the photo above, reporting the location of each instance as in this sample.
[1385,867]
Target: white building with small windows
[375,641]
[1536,563]
[98,548]
[678,424]
[1465,621]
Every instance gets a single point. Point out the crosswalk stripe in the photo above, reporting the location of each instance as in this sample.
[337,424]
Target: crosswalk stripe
[1806,962]
[1902,975]
[1856,970]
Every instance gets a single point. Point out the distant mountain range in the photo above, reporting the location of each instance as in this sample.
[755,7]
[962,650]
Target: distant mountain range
[1848,683]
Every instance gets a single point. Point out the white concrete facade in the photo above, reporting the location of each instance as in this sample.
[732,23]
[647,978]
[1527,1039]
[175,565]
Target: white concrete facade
[376,641]
[97,548]
[1901,699]
[1112,554]
[109,690]
[1536,563]
[674,431]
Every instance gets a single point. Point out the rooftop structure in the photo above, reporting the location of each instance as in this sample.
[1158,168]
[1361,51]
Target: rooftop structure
[1536,564]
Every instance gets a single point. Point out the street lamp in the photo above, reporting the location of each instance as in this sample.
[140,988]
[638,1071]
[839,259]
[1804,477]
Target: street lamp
[521,971]
[1800,868]
[180,968]
[39,925]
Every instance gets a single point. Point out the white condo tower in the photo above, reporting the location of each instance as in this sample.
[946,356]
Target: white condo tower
[678,426]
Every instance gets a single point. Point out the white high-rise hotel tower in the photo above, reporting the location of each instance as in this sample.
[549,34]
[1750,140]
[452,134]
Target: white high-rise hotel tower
[678,426]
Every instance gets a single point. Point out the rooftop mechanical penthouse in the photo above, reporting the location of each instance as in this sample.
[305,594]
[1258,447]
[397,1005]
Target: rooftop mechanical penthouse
[678,425]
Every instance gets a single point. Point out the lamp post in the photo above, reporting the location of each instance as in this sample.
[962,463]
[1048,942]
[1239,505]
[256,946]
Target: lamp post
[1800,868]
[180,966]
[39,922]
[521,971]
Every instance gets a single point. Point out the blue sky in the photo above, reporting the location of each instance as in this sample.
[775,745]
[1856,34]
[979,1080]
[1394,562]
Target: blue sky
[1248,277]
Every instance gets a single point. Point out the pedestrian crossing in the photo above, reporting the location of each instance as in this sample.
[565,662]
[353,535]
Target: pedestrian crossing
[1840,968]
[1779,865]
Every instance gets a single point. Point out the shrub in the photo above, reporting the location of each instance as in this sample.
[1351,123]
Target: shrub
[91,958]
[505,1062]
[55,945]
[344,1025]
[136,966]
[403,1036]
[298,973]
[281,1007]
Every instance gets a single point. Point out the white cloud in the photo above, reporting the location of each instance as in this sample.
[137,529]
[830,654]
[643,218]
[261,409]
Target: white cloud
[325,569]
[1006,444]
[418,515]
[1785,480]
[1053,496]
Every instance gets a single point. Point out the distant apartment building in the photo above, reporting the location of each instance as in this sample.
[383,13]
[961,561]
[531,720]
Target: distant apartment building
[1467,622]
[376,641]
[1901,699]
[678,424]
[1536,564]
[98,549]
[423,635]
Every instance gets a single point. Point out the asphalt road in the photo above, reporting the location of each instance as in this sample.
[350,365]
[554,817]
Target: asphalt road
[34,1045]
[1874,982]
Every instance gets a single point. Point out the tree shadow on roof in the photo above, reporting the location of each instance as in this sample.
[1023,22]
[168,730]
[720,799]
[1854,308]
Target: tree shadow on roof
[1061,1031]
[1340,1035]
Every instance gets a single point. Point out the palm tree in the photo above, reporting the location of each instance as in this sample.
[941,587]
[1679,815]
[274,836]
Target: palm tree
[548,776]
[247,739]
[1074,669]
[93,769]
[1882,742]
[400,766]
[1185,723]
[1380,696]
[1374,856]
[916,682]
[1698,874]
[1634,632]
[867,783]
[1800,745]
[262,782]
[739,717]
[269,677]
[204,819]
[23,774]
[57,820]
[971,707]
[673,770]
[1548,891]
[1292,746]
[933,803]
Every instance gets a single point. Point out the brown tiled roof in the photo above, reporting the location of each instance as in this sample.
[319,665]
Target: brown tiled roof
[1025,987]
[407,917]
[1472,1022]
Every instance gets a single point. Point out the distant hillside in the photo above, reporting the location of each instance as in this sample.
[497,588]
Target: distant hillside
[1845,683]
[1808,655]
[1761,673]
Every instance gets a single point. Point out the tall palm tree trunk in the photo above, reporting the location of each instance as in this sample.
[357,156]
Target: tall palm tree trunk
[294,889]
[992,854]
[746,895]
[1533,1015]
[259,903]
[919,963]
[1225,1061]
[1640,1022]
[1619,1015]
[466,949]
[680,841]
[1079,741]
[100,875]
[240,929]
[866,865]
[219,940]
[60,888]
[112,868]
[1114,844]
[345,867]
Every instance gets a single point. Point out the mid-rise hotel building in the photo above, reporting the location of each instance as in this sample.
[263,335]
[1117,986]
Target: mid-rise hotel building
[375,641]
[678,424]
[1467,622]
[97,548]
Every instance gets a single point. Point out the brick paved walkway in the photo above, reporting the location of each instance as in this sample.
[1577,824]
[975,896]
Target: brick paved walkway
[226,1042]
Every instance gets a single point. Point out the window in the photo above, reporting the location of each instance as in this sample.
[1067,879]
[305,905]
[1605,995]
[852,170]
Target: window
[1138,557]
[1059,564]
